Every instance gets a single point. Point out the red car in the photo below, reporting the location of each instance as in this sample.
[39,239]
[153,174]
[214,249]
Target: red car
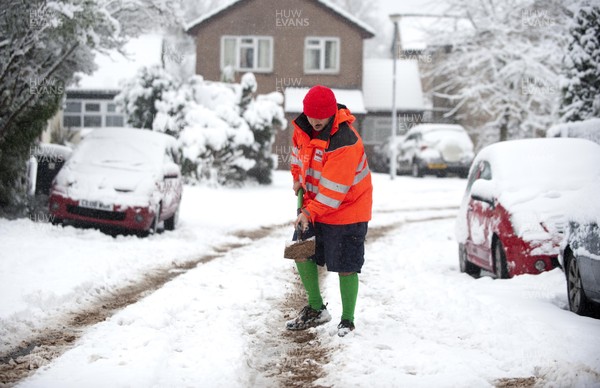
[121,178]
[519,197]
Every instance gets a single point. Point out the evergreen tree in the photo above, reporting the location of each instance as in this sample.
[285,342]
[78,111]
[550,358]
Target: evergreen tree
[581,92]
[42,45]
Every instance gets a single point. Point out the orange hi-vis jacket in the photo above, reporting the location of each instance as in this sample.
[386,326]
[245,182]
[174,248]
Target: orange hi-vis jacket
[333,171]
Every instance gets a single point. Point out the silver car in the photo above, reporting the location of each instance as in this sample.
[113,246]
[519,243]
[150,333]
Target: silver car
[437,149]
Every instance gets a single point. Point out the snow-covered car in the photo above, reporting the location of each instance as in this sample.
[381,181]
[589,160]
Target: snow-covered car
[519,198]
[435,149]
[586,129]
[121,178]
[580,259]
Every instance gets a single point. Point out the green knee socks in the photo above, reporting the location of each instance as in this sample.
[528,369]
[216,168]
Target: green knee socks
[309,274]
[349,291]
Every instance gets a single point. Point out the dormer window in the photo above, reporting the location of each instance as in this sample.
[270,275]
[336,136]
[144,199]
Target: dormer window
[321,55]
[247,53]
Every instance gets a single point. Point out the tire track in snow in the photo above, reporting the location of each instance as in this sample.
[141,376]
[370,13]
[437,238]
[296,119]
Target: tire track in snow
[297,363]
[46,345]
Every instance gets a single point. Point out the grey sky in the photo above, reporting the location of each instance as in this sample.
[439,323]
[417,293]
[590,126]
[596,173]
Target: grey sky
[411,28]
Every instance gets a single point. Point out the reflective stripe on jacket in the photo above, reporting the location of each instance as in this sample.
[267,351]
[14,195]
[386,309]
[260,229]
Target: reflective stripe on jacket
[333,171]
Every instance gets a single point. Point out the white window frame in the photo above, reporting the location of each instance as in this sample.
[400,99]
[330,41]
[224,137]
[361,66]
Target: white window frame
[322,47]
[102,113]
[255,45]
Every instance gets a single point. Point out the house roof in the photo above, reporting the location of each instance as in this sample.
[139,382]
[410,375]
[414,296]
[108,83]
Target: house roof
[367,30]
[352,98]
[113,67]
[378,85]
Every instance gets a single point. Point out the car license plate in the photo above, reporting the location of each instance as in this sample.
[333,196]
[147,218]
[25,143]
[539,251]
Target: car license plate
[95,205]
[437,166]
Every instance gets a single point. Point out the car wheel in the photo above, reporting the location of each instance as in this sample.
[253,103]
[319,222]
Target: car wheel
[500,267]
[442,174]
[171,222]
[416,170]
[465,265]
[578,302]
[57,221]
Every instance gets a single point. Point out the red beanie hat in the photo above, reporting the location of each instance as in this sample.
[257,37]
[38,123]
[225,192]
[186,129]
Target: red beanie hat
[319,103]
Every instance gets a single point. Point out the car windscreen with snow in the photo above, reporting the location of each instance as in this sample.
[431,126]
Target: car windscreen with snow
[452,143]
[443,135]
[544,166]
[130,153]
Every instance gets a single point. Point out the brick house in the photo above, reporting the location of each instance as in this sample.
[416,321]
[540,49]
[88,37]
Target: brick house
[288,45]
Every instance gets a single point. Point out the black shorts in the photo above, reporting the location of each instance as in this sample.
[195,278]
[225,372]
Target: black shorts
[340,247]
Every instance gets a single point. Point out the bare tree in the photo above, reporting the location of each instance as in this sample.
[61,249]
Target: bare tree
[502,65]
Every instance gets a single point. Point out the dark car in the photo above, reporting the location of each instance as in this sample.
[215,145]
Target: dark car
[121,178]
[519,199]
[44,164]
[580,259]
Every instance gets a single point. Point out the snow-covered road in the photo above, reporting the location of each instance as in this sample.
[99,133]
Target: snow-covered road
[220,324]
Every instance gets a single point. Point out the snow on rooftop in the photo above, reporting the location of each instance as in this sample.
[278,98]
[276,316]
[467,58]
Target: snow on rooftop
[326,3]
[377,85]
[115,67]
[347,15]
[352,98]
[209,15]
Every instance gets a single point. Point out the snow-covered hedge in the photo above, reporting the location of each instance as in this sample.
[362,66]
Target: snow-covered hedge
[224,132]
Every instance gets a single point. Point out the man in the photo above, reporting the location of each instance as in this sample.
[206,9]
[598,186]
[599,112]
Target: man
[330,164]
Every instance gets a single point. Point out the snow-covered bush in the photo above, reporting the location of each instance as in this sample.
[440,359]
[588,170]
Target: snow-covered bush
[137,99]
[205,117]
[263,114]
[225,133]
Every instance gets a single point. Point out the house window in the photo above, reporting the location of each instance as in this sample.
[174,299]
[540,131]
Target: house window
[82,113]
[376,130]
[92,107]
[73,107]
[247,53]
[92,121]
[321,55]
[72,121]
[114,121]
